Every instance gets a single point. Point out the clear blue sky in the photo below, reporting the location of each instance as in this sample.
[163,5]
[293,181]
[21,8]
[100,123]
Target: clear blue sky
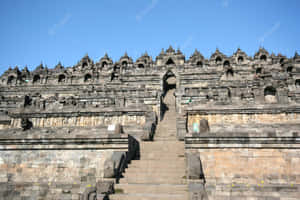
[49,31]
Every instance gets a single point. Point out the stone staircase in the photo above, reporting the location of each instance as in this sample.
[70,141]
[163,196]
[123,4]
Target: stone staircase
[160,172]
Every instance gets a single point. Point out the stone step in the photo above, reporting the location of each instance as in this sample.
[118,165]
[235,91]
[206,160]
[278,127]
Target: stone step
[166,130]
[162,143]
[172,137]
[152,188]
[169,170]
[154,180]
[161,155]
[169,117]
[154,170]
[159,166]
[148,196]
[157,163]
[168,120]
[162,138]
[157,147]
[164,150]
[159,138]
[161,171]
[167,133]
[151,176]
[164,158]
[156,156]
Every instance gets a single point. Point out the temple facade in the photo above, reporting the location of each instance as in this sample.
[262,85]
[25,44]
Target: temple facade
[230,124]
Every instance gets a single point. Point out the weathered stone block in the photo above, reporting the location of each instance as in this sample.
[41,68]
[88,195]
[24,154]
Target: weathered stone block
[194,166]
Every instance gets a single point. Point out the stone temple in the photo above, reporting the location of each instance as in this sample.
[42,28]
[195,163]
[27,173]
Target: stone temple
[224,127]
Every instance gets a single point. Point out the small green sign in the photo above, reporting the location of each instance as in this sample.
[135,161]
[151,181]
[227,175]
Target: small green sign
[195,127]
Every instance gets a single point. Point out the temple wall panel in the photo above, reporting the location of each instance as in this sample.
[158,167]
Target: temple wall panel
[251,166]
[81,121]
[245,118]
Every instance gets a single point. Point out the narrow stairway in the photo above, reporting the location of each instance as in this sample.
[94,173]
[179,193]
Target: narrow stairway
[160,172]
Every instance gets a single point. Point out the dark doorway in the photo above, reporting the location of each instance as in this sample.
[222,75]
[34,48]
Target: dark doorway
[170,62]
[168,98]
[169,82]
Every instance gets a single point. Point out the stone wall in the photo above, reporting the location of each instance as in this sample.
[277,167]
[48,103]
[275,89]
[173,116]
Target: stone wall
[251,173]
[230,91]
[251,166]
[244,166]
[81,121]
[4,126]
[245,118]
[46,166]
[53,165]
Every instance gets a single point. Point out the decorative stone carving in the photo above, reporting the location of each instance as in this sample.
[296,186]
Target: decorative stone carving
[26,124]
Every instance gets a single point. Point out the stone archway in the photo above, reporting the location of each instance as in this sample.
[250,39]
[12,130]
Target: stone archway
[169,82]
[168,99]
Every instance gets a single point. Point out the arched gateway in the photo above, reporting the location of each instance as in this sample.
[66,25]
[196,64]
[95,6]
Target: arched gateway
[169,83]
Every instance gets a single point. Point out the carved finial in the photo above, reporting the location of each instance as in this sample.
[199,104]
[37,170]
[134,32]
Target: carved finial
[25,69]
[59,66]
[196,53]
[146,54]
[106,55]
[178,51]
[262,49]
[162,51]
[170,49]
[16,68]
[40,67]
[296,55]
